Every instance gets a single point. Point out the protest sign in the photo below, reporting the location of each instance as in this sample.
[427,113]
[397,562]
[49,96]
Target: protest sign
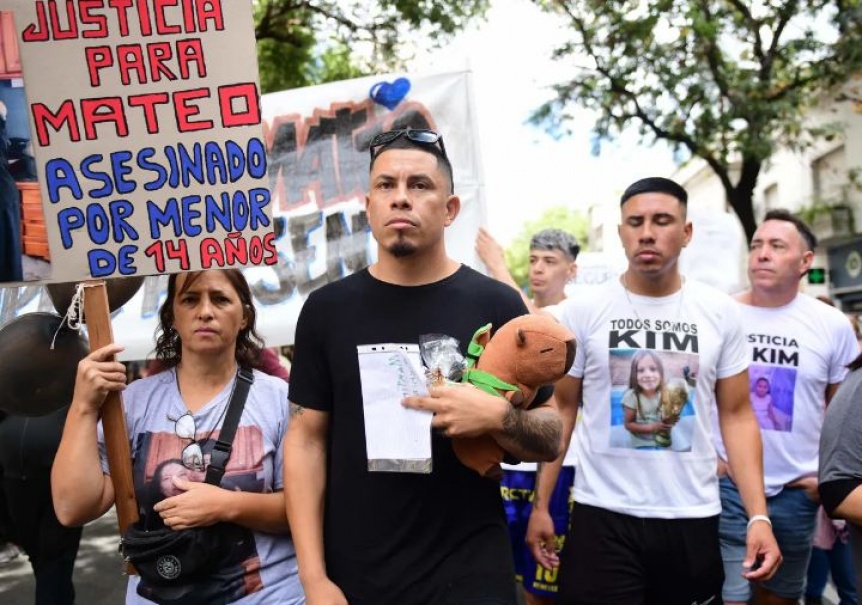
[146,126]
[317,146]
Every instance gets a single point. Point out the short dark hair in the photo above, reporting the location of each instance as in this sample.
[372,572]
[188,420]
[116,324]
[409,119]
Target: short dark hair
[443,162]
[248,342]
[556,239]
[655,184]
[780,214]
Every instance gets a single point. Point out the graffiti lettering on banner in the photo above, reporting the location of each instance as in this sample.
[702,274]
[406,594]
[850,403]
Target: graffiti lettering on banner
[318,175]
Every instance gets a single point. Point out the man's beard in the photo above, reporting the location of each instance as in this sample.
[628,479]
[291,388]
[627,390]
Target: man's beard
[401,249]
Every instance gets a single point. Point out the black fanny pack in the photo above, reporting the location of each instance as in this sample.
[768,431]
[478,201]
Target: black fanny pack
[174,565]
[165,557]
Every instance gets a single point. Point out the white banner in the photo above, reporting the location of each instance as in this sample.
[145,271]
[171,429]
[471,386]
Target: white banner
[317,143]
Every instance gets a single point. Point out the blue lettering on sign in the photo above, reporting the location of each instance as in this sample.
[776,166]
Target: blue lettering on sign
[119,211]
[104,264]
[236,211]
[102,224]
[256,164]
[96,175]
[259,199]
[228,165]
[69,219]
[190,214]
[114,182]
[208,163]
[161,173]
[214,212]
[59,173]
[120,166]
[164,217]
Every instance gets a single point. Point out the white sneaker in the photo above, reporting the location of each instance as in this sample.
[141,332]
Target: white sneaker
[8,552]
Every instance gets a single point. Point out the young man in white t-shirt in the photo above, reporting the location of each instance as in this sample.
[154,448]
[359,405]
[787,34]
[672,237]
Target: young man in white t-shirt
[553,253]
[553,256]
[799,349]
[644,527]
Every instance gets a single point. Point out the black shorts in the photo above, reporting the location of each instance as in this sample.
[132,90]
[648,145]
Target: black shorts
[615,559]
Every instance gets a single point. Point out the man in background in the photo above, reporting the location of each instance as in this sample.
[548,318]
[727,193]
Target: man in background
[799,347]
[553,253]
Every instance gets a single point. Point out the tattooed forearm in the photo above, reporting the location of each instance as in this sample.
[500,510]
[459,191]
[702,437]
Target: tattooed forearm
[296,409]
[537,433]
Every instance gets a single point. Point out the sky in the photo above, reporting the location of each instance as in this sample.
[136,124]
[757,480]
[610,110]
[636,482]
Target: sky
[525,170]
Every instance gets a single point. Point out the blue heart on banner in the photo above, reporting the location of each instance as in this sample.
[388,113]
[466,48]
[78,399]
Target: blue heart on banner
[390,94]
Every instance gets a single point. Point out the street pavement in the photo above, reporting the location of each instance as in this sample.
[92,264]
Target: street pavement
[99,577]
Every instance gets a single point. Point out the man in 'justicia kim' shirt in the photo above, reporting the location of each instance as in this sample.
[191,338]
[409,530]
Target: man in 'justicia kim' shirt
[799,349]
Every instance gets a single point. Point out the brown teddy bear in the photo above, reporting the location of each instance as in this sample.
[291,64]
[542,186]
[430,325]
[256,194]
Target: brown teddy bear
[526,353]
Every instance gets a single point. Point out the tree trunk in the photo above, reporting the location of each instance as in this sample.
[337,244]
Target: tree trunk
[741,196]
[744,209]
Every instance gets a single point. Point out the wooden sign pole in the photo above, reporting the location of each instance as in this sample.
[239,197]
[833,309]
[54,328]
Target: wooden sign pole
[98,317]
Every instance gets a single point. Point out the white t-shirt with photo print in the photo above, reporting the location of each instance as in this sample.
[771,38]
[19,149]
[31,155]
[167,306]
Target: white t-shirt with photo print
[796,351]
[696,337]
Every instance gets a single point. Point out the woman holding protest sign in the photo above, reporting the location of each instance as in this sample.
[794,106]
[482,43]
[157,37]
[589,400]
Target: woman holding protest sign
[206,338]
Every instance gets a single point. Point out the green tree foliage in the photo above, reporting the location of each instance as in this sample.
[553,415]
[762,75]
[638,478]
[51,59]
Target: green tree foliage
[558,217]
[723,80]
[306,42]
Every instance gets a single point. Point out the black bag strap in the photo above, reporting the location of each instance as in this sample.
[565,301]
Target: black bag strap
[221,451]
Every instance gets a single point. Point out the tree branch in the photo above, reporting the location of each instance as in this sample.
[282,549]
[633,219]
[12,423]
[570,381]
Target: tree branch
[276,22]
[799,81]
[713,58]
[753,26]
[784,17]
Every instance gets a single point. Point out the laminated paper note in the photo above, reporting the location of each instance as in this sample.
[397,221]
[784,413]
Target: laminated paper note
[396,439]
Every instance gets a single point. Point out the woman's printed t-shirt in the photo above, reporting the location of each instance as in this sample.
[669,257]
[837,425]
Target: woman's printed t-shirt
[263,569]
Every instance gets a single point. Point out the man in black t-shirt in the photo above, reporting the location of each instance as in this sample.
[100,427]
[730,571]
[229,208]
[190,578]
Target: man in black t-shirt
[381,538]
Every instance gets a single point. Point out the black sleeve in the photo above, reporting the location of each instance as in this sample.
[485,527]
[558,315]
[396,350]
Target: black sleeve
[840,453]
[833,493]
[505,301]
[310,377]
[542,395]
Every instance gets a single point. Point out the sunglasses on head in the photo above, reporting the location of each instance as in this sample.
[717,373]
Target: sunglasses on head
[422,136]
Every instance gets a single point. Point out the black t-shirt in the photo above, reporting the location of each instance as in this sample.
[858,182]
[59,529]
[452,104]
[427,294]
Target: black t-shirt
[398,537]
[28,444]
